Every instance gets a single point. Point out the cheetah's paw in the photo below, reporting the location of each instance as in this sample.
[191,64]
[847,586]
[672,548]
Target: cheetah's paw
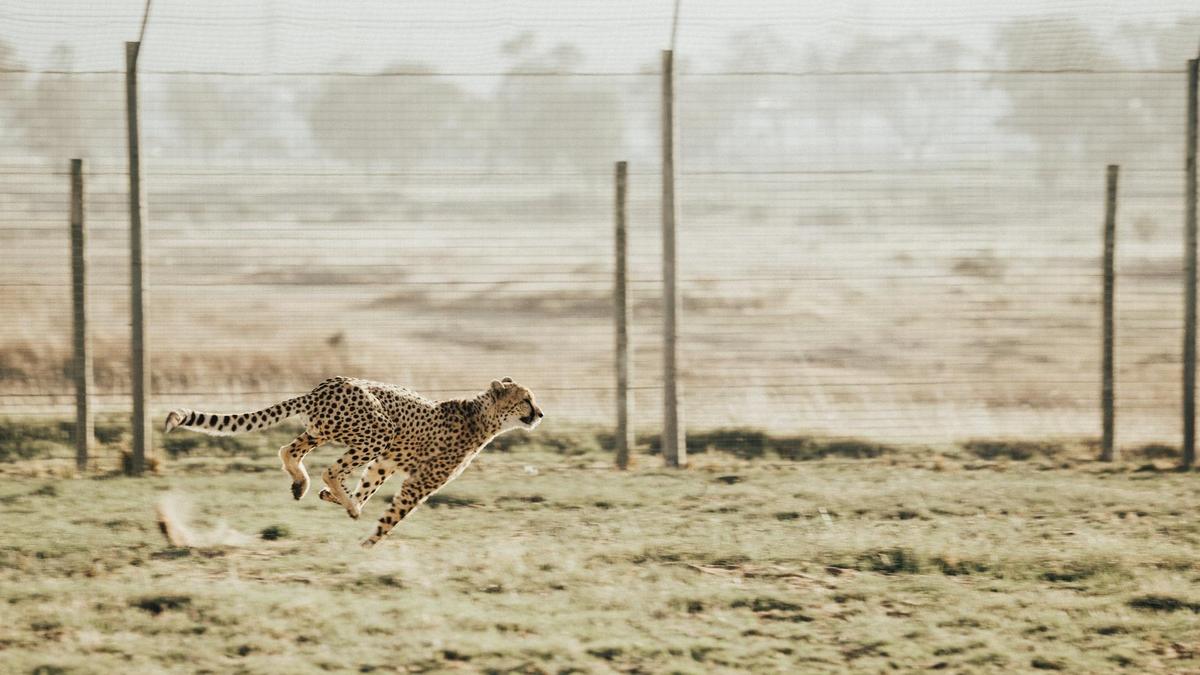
[353,510]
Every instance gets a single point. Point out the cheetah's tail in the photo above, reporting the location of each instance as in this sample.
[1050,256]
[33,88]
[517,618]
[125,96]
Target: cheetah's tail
[220,424]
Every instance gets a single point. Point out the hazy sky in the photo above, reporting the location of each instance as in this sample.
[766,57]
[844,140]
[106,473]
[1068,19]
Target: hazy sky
[271,35]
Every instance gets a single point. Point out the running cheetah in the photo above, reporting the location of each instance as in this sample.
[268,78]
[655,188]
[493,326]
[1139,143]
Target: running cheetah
[387,429]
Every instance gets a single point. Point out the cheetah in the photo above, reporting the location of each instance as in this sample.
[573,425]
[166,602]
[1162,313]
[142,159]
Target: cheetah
[387,429]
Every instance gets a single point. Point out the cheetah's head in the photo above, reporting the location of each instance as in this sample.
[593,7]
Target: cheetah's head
[515,405]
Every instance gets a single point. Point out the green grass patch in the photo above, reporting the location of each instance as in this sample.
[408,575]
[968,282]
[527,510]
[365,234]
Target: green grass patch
[1072,571]
[157,604]
[450,500]
[1163,603]
[1152,451]
[37,438]
[755,444]
[273,532]
[183,444]
[1017,450]
[569,441]
[891,561]
[773,609]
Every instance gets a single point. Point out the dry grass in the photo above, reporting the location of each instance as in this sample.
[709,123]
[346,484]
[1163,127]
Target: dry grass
[929,315]
[539,562]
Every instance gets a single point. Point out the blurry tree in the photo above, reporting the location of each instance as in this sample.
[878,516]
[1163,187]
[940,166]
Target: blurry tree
[1159,101]
[205,118]
[546,120]
[723,119]
[12,82]
[748,116]
[915,107]
[758,113]
[8,57]
[404,115]
[1079,122]
[1165,46]
[71,115]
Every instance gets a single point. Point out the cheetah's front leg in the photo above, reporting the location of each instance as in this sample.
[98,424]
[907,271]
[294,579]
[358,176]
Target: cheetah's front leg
[416,489]
[372,479]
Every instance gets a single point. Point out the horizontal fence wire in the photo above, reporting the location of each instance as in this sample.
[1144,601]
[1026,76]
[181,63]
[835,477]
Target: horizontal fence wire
[890,226]
[606,74]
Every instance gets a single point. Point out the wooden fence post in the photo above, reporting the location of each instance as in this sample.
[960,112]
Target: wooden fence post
[1107,453]
[674,443]
[85,425]
[1189,322]
[140,366]
[622,314]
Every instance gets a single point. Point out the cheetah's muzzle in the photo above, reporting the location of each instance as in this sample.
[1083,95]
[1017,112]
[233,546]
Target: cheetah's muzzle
[530,420]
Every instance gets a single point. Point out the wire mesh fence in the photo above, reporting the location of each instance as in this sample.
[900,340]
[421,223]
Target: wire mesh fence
[888,232]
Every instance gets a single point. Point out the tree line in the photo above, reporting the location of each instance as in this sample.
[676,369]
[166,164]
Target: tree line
[776,108]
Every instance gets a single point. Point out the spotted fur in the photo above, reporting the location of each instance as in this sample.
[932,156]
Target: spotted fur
[387,429]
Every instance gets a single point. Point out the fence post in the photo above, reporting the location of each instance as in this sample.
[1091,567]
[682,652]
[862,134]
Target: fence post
[1107,454]
[85,425]
[1189,324]
[674,443]
[621,312]
[140,366]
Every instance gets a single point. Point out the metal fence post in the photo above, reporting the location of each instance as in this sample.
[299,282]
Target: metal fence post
[85,425]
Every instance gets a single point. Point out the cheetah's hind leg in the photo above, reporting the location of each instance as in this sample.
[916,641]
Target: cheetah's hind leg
[334,476]
[292,456]
[379,470]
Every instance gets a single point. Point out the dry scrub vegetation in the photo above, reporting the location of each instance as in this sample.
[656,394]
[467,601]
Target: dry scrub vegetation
[543,559]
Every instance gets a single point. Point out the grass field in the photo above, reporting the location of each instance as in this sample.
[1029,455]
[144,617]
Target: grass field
[548,562]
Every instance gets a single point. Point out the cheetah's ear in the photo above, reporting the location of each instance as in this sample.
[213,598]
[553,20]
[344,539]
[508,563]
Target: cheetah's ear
[507,380]
[497,387]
